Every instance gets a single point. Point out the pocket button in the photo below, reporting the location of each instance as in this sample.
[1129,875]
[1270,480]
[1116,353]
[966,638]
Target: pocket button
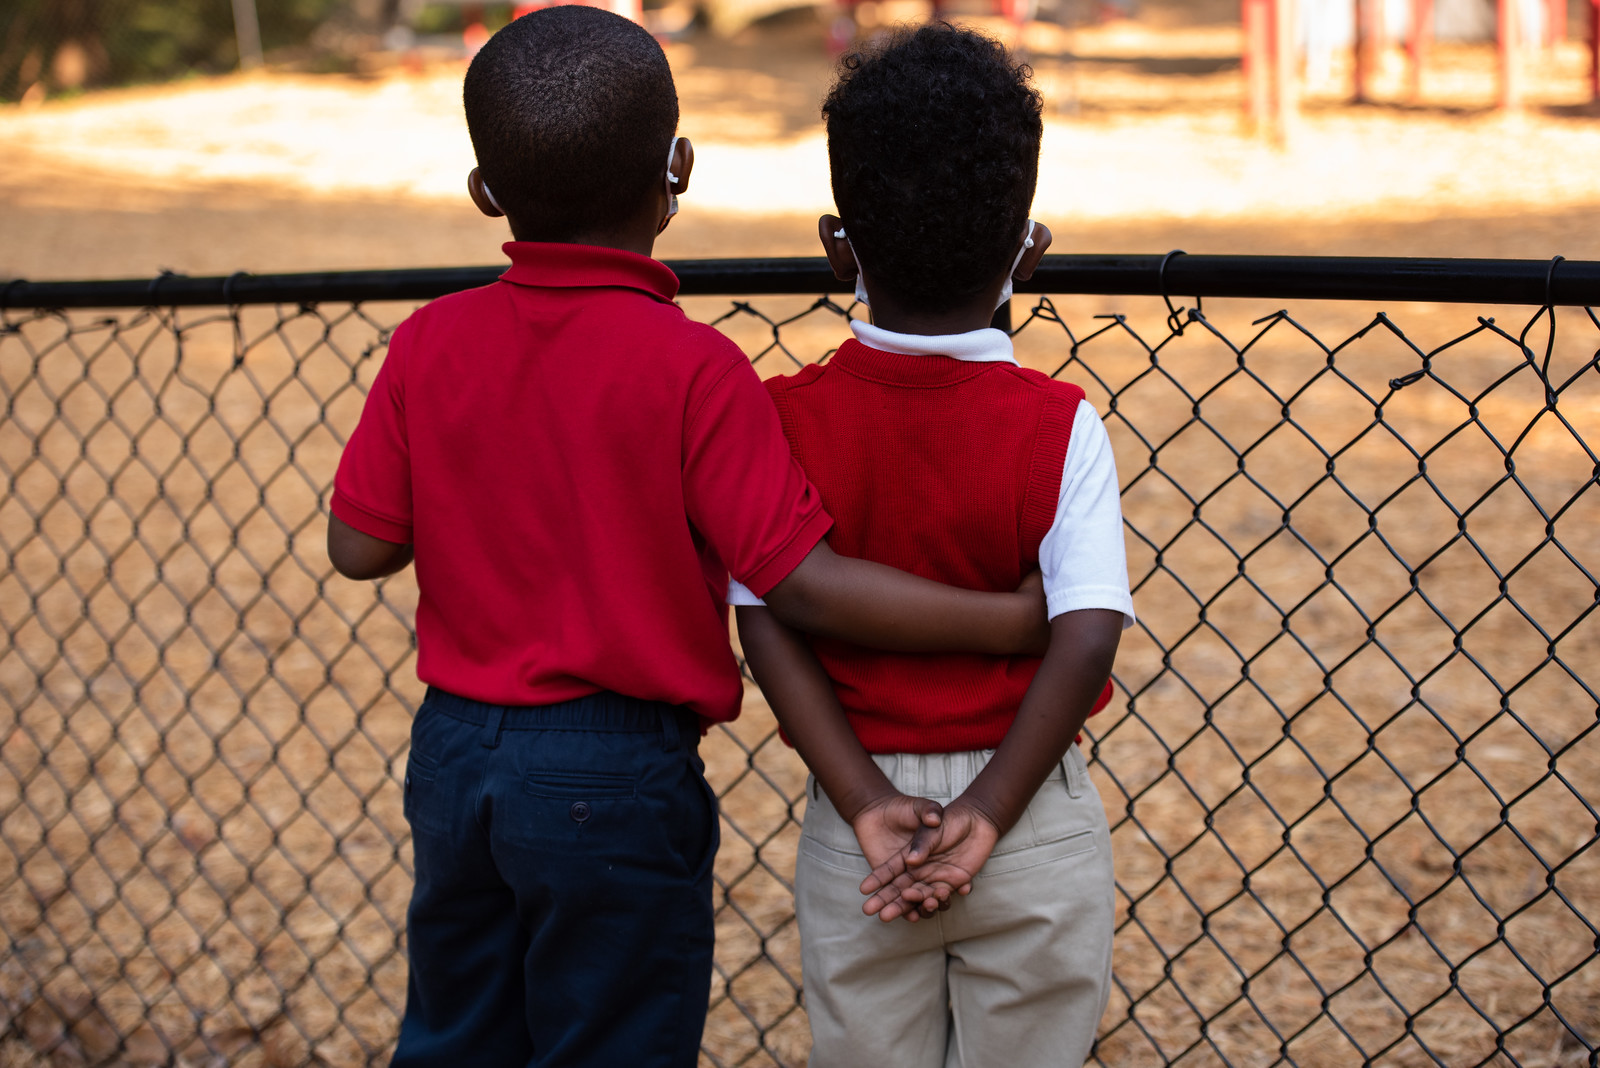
[580,811]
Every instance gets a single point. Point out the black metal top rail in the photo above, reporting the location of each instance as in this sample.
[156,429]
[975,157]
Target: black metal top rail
[1368,278]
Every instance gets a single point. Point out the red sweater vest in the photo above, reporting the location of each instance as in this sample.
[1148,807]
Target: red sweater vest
[946,469]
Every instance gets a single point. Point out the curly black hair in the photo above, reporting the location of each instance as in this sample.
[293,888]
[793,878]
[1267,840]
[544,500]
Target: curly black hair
[571,110]
[933,145]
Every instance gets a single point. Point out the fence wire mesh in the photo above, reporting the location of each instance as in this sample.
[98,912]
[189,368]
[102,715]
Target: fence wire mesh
[1351,770]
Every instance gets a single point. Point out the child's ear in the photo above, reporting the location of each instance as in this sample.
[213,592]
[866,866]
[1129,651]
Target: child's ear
[682,164]
[480,195]
[841,257]
[1032,256]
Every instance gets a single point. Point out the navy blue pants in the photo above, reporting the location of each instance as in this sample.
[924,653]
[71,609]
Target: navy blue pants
[562,908]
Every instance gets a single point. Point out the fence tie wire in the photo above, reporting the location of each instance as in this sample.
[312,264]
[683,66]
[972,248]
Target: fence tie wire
[1550,341]
[1175,322]
[238,324]
[1542,369]
[1413,377]
[227,288]
[155,284]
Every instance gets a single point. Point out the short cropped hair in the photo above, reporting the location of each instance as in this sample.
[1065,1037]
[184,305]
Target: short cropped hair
[933,145]
[571,110]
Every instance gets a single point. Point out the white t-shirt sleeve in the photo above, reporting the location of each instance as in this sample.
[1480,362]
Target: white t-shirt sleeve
[1082,556]
[739,594]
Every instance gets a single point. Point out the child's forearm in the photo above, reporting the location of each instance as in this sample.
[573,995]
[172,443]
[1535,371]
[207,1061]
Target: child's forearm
[882,608]
[1083,646]
[361,556]
[803,700]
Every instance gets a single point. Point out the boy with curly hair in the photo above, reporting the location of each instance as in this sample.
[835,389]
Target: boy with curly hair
[935,452]
[576,468]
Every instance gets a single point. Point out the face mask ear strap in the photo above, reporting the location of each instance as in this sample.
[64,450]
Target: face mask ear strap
[861,285]
[1027,243]
[490,196]
[672,180]
[1007,288]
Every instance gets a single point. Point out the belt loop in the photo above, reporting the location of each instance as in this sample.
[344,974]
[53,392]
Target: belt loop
[671,736]
[491,727]
[1073,771]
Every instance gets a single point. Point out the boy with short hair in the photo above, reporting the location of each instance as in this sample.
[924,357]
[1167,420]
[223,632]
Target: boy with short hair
[576,467]
[936,453]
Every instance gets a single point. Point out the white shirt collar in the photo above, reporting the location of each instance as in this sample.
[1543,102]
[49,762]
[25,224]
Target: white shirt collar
[988,345]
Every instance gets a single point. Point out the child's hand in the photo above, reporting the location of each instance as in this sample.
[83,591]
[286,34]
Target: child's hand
[898,828]
[904,885]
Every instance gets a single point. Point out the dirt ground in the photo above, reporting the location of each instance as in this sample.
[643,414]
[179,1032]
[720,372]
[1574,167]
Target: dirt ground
[1347,763]
[1325,800]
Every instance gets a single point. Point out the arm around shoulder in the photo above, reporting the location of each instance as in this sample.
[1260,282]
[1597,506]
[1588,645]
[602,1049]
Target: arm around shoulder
[877,606]
[770,538]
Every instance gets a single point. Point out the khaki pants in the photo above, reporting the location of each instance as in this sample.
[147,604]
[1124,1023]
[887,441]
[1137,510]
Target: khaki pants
[1016,974]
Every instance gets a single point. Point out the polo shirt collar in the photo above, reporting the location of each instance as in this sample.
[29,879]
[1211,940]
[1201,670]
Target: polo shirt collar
[539,263]
[988,345]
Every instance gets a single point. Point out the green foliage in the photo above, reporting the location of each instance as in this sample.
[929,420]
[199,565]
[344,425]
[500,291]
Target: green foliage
[438,18]
[448,18]
[121,41]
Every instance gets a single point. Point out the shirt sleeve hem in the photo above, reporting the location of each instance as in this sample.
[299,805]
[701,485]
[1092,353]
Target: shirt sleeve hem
[369,522]
[777,567]
[1108,597]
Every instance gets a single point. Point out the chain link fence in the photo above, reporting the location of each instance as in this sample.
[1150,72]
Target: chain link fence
[1351,769]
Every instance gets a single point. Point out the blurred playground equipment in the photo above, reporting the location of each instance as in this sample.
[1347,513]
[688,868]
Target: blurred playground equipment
[1360,50]
[1285,42]
[1287,39]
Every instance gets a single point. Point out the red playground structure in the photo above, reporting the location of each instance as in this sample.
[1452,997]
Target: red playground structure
[1271,52]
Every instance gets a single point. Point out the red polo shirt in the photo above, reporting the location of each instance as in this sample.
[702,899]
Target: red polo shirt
[579,466]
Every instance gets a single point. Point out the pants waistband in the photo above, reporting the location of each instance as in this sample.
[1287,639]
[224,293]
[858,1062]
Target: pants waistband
[946,775]
[602,711]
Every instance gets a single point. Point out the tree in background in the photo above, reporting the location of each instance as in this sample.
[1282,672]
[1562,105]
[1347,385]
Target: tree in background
[71,44]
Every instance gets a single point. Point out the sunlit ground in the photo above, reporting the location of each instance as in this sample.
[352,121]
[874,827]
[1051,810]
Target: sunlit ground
[1144,149]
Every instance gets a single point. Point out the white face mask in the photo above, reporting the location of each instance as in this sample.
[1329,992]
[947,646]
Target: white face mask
[1005,290]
